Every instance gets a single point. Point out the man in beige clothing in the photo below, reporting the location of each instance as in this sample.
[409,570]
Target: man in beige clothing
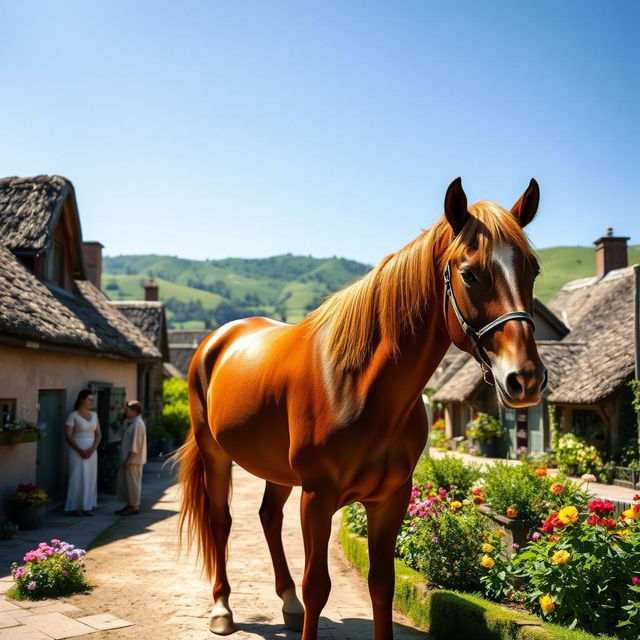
[133,455]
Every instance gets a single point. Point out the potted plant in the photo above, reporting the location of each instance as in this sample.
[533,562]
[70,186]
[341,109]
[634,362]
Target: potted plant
[487,430]
[29,506]
[18,431]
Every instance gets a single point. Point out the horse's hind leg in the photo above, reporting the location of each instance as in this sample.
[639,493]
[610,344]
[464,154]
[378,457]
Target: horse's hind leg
[218,482]
[273,501]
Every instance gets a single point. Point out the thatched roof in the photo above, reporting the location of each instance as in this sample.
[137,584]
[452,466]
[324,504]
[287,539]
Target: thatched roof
[182,345]
[30,310]
[149,317]
[30,209]
[600,314]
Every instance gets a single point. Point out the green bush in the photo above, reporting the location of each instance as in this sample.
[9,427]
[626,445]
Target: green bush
[531,493]
[356,519]
[576,457]
[484,426]
[446,472]
[175,412]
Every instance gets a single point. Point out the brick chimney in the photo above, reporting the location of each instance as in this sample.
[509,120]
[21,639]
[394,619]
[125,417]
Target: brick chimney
[611,253]
[151,291]
[93,259]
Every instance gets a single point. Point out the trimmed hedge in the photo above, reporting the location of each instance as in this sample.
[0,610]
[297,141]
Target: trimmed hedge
[448,614]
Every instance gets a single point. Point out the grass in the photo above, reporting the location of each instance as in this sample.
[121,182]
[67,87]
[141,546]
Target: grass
[448,614]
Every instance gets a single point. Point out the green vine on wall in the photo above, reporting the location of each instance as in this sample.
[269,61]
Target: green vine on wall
[554,426]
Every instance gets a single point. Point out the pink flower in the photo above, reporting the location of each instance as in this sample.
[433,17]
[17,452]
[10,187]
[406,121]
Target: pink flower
[515,545]
[635,580]
[55,542]
[536,536]
[442,492]
[65,573]
[31,586]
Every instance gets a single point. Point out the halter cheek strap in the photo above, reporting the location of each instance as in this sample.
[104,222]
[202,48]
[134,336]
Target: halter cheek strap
[473,334]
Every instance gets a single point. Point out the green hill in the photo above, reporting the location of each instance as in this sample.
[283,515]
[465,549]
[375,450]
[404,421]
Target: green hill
[285,286]
[281,286]
[560,265]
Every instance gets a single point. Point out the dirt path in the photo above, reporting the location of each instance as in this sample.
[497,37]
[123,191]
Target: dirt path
[139,578]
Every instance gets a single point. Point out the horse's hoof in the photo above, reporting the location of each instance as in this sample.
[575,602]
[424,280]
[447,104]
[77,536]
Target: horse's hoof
[293,621]
[221,625]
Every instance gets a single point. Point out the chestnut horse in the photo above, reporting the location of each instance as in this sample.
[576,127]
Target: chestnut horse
[333,404]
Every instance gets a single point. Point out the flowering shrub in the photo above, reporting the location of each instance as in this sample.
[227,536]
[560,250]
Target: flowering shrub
[17,426]
[30,495]
[575,456]
[442,537]
[484,427]
[50,571]
[449,472]
[527,493]
[582,569]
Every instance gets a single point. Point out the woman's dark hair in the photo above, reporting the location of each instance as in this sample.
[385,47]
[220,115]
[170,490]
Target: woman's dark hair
[81,396]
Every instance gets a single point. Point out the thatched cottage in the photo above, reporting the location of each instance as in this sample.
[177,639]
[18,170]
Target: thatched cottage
[58,332]
[586,339]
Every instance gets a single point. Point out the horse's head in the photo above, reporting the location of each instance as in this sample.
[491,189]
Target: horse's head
[489,270]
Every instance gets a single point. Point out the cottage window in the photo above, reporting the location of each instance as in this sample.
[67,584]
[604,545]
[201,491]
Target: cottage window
[7,410]
[55,264]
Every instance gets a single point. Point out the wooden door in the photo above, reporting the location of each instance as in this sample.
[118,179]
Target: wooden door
[51,446]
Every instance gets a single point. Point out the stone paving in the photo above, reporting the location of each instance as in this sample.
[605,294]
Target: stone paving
[170,601]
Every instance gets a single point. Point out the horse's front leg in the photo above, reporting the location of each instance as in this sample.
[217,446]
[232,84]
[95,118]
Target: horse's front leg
[383,524]
[316,510]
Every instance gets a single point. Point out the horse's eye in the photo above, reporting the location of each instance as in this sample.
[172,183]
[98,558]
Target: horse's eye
[536,272]
[468,277]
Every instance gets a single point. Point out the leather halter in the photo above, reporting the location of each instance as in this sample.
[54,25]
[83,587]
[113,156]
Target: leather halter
[475,335]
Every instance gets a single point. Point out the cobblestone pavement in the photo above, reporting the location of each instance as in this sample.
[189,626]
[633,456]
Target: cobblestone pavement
[140,581]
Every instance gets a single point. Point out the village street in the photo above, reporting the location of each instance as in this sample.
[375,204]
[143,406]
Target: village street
[140,580]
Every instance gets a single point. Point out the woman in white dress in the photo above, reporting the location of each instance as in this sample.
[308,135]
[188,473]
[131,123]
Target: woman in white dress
[83,436]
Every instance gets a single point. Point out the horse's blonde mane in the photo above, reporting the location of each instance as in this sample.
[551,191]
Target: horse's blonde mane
[392,297]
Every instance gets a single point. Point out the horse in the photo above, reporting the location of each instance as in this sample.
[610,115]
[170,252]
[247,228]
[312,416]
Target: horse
[333,404]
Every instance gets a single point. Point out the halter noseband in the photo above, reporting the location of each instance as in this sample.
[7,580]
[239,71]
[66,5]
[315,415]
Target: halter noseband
[470,332]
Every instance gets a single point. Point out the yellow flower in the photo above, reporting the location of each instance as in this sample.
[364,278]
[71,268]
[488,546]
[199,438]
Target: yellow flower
[455,505]
[487,562]
[623,533]
[632,514]
[546,603]
[568,515]
[560,557]
[487,548]
[501,533]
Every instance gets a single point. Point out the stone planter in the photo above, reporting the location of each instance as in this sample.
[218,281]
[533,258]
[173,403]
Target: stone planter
[489,448]
[516,530]
[27,517]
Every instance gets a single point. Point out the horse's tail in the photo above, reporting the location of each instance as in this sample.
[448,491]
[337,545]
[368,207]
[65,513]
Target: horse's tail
[196,517]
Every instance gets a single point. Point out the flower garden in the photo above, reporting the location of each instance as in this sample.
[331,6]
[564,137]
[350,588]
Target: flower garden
[577,564]
[51,570]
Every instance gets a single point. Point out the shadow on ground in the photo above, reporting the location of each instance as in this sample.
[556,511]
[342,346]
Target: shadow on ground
[347,629]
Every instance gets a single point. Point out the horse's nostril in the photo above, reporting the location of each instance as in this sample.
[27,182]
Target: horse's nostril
[543,386]
[514,386]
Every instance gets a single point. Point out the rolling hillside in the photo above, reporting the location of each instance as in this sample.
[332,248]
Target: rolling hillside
[281,286]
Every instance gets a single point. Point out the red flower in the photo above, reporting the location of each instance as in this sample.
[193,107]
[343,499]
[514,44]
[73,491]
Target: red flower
[593,520]
[479,500]
[601,506]
[635,580]
[551,523]
[478,492]
[636,497]
[608,523]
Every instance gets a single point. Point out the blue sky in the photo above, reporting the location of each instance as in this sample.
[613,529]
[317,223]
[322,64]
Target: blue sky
[215,129]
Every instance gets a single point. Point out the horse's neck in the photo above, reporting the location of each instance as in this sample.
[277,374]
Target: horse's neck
[404,371]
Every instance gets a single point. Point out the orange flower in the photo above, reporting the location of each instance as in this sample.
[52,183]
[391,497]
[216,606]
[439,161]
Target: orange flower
[512,512]
[487,548]
[541,471]
[487,562]
[501,533]
[554,538]
[556,488]
[546,603]
[623,533]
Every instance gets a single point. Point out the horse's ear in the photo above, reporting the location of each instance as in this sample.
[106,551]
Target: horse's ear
[455,206]
[525,209]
